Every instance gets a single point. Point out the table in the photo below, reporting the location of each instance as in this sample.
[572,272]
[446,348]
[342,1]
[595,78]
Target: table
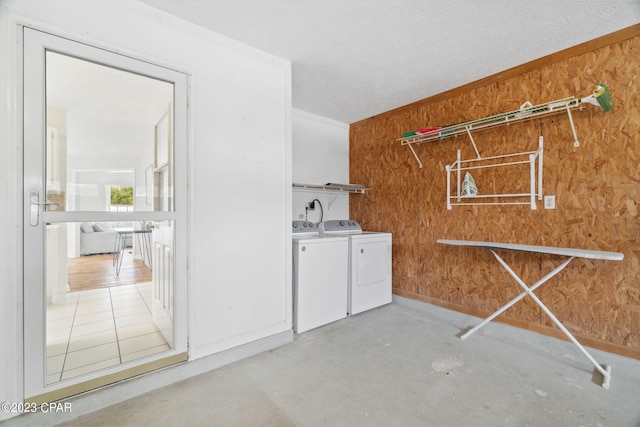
[144,243]
[528,290]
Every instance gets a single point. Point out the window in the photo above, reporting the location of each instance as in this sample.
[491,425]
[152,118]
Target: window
[119,199]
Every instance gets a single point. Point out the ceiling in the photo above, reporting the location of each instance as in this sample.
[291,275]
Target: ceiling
[353,59]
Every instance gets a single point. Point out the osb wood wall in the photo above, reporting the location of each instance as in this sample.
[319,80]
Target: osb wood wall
[596,186]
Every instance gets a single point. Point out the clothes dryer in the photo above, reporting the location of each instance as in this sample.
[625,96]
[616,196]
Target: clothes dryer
[369,264]
[320,277]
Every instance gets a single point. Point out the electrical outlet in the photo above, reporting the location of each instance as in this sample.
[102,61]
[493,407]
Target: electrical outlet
[311,205]
[300,216]
[549,202]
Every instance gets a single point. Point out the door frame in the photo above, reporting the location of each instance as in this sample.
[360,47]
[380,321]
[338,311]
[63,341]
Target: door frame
[33,302]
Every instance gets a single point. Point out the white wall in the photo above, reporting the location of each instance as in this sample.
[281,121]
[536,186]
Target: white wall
[240,171]
[320,155]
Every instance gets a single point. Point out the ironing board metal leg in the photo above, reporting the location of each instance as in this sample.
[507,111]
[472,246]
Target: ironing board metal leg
[606,371]
[518,298]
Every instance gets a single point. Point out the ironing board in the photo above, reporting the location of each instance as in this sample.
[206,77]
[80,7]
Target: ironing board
[528,290]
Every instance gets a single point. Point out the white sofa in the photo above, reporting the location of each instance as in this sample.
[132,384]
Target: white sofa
[99,238]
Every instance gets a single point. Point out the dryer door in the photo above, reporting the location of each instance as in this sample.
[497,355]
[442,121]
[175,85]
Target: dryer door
[373,262]
[370,284]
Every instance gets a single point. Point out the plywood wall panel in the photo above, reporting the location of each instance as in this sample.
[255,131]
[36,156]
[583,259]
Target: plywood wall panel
[388,175]
[599,195]
[596,185]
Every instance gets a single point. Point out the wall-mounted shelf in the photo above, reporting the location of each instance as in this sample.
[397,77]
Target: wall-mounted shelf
[600,97]
[526,158]
[332,187]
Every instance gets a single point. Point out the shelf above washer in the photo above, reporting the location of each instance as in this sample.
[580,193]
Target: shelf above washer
[331,187]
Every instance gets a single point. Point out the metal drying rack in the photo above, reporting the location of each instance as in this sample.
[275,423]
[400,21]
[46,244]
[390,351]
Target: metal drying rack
[531,159]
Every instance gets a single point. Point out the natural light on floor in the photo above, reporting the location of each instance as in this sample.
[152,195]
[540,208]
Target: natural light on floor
[98,328]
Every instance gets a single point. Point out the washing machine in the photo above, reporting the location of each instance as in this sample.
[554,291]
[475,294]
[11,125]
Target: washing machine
[320,277]
[369,264]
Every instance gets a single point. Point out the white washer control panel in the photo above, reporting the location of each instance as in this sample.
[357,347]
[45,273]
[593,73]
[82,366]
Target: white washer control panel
[346,226]
[306,227]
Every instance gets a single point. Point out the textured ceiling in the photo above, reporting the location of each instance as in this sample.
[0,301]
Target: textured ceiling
[353,59]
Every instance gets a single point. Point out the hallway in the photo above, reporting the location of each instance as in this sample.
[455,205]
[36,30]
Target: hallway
[97,271]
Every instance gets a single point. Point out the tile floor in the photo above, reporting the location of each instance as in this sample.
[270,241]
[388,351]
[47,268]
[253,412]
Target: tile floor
[96,329]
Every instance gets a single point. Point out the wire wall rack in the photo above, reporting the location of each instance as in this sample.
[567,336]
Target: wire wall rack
[532,159]
[526,112]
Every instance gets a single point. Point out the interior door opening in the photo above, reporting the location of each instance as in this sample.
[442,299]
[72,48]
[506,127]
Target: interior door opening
[103,299]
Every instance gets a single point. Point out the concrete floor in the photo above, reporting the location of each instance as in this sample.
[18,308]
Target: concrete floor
[398,365]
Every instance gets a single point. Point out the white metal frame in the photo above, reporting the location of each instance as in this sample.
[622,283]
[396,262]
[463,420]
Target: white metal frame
[524,158]
[605,370]
[35,44]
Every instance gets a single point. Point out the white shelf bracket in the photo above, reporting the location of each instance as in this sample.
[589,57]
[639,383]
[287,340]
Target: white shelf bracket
[576,143]
[468,128]
[416,156]
[331,202]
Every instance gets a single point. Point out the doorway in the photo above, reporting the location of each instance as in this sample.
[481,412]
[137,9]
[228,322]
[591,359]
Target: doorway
[105,217]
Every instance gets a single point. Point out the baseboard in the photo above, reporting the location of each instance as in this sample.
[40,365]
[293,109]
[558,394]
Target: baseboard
[541,329]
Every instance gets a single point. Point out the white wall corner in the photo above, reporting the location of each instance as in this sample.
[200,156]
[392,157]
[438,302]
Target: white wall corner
[320,119]
[320,155]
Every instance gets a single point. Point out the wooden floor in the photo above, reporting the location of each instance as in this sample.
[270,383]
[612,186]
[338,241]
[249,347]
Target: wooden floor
[98,271]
